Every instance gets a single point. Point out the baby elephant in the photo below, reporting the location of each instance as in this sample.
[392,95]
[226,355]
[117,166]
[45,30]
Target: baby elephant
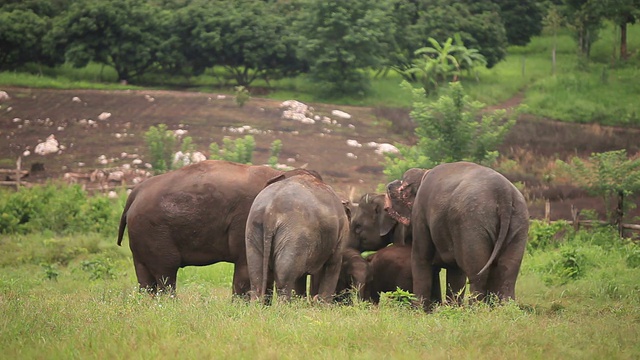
[355,274]
[390,268]
[296,227]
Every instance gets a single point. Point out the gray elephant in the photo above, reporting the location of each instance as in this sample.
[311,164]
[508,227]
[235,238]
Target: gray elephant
[466,218]
[354,274]
[372,228]
[296,227]
[390,268]
[195,215]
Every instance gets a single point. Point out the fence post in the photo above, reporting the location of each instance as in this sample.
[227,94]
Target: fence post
[18,172]
[574,217]
[547,211]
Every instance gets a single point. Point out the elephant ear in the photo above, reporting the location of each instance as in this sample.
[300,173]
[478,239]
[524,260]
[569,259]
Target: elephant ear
[386,222]
[347,208]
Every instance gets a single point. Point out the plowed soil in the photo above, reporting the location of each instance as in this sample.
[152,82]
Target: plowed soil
[31,115]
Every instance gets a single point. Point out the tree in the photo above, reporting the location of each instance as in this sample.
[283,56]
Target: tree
[584,17]
[449,129]
[621,13]
[125,34]
[610,175]
[339,39]
[439,63]
[552,23]
[522,19]
[21,32]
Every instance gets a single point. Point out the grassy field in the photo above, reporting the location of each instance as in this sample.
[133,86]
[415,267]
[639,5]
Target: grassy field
[578,298]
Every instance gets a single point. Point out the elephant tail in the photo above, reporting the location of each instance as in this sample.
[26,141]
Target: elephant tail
[266,255]
[123,219]
[505,220]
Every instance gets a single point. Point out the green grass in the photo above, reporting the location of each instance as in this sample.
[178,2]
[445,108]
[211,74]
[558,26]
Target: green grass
[595,316]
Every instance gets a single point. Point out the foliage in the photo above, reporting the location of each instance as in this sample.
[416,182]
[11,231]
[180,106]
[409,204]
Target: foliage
[99,268]
[567,266]
[522,19]
[242,95]
[442,63]
[544,235]
[21,32]
[341,38]
[448,130]
[276,147]
[239,150]
[398,297]
[160,142]
[609,174]
[584,18]
[51,271]
[57,208]
[125,34]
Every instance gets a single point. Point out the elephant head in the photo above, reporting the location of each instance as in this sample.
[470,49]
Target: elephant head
[401,195]
[371,227]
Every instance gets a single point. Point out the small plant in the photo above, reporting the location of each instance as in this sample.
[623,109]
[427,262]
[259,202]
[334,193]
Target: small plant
[242,95]
[398,297]
[160,142]
[99,268]
[542,235]
[239,150]
[276,147]
[569,266]
[51,271]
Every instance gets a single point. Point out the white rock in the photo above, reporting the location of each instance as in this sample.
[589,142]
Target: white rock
[49,146]
[354,143]
[15,120]
[60,128]
[117,175]
[104,116]
[112,195]
[26,153]
[4,96]
[221,97]
[341,114]
[136,162]
[179,132]
[386,148]
[76,99]
[352,156]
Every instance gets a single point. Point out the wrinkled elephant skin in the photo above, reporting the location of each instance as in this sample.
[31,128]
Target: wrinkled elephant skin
[296,227]
[372,228]
[195,215]
[354,274]
[466,218]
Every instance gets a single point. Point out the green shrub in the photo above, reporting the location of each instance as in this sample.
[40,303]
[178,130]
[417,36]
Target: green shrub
[160,142]
[567,266]
[543,235]
[276,147]
[99,268]
[398,297]
[239,150]
[242,95]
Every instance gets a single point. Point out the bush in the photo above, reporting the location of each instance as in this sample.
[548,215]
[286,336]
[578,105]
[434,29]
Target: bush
[160,142]
[544,235]
[239,150]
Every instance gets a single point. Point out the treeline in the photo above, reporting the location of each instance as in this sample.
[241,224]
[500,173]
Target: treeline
[335,42]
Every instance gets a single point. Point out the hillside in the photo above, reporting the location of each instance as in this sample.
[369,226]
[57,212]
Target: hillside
[73,117]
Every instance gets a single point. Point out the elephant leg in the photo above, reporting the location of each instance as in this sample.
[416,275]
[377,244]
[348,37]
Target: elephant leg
[329,277]
[241,283]
[436,289]
[300,287]
[146,280]
[456,284]
[422,252]
[502,277]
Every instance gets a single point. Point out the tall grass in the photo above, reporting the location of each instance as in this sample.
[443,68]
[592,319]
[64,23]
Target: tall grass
[78,315]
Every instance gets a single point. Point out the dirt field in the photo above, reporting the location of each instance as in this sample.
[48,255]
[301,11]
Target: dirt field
[73,117]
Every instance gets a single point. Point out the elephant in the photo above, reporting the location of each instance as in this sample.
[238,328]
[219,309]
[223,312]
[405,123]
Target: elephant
[390,269]
[297,226]
[467,218]
[354,274]
[372,228]
[195,215]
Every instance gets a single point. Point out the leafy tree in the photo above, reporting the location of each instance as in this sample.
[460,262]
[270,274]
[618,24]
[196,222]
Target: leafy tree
[611,175]
[522,19]
[21,32]
[340,38]
[125,34]
[552,23]
[584,17]
[448,130]
[621,13]
[440,63]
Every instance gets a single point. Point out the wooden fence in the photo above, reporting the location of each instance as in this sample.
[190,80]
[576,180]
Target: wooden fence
[17,174]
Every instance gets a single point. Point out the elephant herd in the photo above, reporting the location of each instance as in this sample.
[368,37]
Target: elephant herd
[277,227]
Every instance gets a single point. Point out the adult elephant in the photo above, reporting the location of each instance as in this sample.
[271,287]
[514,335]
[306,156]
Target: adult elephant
[195,215]
[297,226]
[372,228]
[464,217]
